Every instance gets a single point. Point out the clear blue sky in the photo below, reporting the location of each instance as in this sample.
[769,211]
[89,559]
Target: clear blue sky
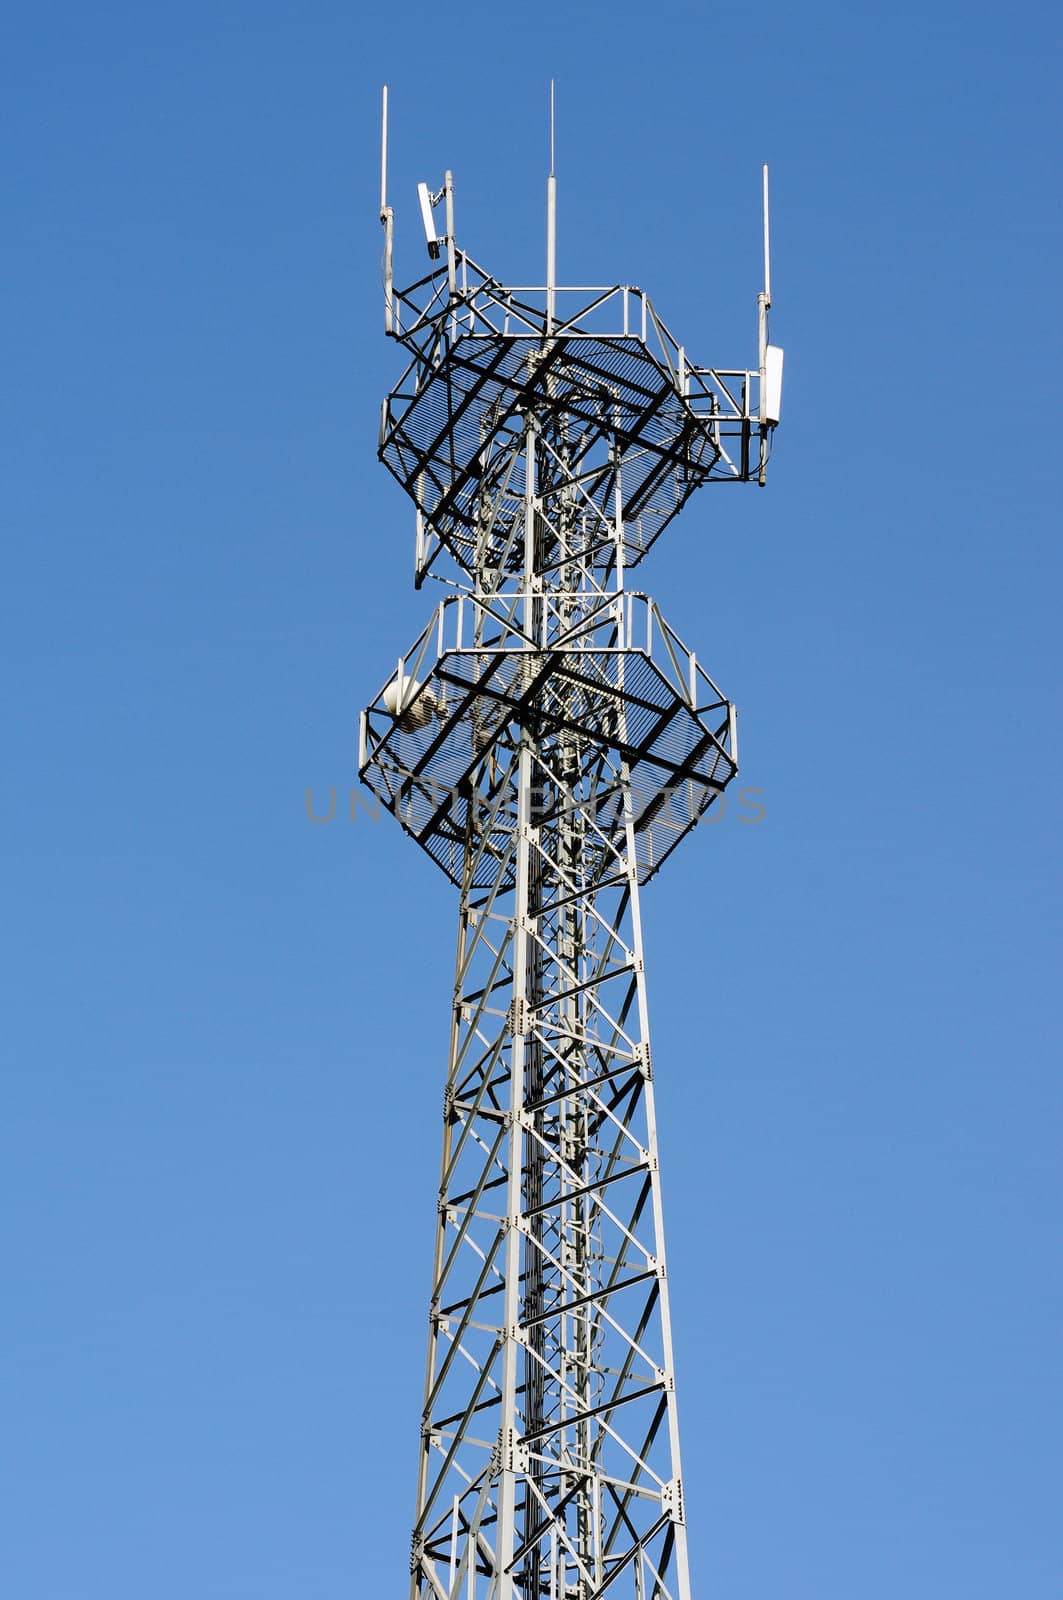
[224,1027]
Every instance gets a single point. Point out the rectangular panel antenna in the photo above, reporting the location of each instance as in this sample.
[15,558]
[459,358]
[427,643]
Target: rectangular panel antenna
[431,237]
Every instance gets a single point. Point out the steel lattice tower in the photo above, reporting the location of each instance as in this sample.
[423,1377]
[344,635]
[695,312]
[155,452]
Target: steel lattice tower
[549,741]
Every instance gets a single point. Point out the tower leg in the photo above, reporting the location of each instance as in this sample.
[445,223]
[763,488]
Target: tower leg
[550,1460]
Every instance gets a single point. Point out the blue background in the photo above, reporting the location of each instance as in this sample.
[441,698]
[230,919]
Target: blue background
[225,1026]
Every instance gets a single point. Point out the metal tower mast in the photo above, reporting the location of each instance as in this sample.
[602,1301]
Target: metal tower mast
[549,740]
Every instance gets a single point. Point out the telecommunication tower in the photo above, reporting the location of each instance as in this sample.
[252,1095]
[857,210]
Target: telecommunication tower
[549,740]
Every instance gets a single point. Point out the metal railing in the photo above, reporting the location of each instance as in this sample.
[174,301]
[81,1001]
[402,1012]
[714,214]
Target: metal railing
[532,622]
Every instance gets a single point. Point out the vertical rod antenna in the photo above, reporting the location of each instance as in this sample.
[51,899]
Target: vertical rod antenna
[552,163]
[767,241]
[763,302]
[388,219]
[384,155]
[551,227]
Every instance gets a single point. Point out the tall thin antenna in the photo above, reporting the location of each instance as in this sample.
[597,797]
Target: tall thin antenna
[388,219]
[551,226]
[384,154]
[767,241]
[770,355]
[552,164]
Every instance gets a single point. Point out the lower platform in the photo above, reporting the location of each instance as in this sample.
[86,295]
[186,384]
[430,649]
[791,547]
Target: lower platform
[626,726]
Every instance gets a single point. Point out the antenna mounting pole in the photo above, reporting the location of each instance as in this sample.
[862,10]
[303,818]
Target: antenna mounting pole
[452,254]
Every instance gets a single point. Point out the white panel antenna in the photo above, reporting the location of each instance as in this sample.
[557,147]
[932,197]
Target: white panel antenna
[772,382]
[427,201]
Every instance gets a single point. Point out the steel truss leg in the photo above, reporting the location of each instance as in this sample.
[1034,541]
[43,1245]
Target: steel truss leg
[550,1456]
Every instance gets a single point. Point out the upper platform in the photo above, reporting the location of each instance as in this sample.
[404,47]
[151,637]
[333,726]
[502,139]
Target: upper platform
[633,425]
